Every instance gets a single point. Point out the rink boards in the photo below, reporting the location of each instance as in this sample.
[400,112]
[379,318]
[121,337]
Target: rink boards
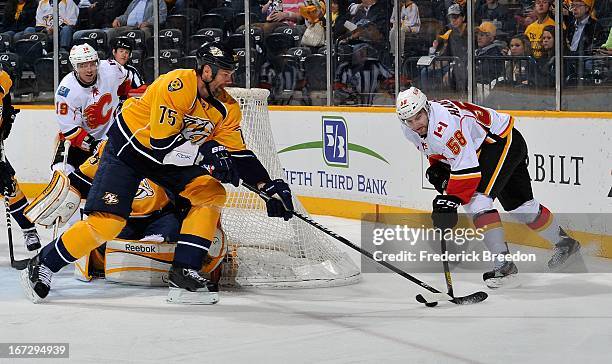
[349,161]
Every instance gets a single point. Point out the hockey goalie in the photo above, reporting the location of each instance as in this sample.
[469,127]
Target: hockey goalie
[142,253]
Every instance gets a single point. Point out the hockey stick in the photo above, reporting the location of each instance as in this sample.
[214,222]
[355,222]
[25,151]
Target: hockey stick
[64,162]
[435,295]
[17,264]
[433,301]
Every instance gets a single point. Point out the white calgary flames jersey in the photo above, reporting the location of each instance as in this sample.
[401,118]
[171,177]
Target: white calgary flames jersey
[455,134]
[90,108]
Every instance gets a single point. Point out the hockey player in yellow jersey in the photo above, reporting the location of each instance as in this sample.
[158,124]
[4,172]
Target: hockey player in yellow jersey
[183,134]
[60,200]
[8,183]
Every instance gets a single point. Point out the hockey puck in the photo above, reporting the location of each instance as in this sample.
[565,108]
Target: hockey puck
[431,304]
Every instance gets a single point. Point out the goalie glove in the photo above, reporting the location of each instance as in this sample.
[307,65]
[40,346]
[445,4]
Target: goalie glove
[215,158]
[281,204]
[58,199]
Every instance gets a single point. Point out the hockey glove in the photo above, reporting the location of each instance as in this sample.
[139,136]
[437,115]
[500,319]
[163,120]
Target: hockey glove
[438,175]
[444,215]
[8,117]
[7,183]
[280,205]
[215,158]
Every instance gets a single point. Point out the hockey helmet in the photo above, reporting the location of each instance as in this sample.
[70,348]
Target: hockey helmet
[82,53]
[122,42]
[217,55]
[409,103]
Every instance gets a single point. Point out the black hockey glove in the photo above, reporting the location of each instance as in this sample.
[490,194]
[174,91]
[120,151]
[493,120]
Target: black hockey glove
[217,160]
[280,205]
[89,144]
[444,215]
[438,175]
[9,114]
[7,184]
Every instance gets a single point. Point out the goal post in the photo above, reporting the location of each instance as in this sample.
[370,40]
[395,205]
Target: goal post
[270,252]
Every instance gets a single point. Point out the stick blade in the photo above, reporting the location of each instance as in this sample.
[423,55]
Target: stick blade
[470,299]
[20,264]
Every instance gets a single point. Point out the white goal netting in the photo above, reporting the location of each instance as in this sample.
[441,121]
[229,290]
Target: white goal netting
[270,252]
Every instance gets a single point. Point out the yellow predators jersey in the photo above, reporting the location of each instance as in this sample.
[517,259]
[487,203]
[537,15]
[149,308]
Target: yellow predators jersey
[5,85]
[170,113]
[149,198]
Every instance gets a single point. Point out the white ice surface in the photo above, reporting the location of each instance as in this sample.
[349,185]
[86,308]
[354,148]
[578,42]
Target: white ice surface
[551,318]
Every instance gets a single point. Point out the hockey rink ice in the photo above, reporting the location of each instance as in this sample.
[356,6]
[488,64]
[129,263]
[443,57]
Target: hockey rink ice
[551,318]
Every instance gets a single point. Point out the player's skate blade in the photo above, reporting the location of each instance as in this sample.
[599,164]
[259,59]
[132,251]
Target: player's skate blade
[183,296]
[188,287]
[36,280]
[504,277]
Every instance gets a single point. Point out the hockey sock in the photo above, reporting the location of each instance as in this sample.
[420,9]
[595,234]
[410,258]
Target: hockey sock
[190,251]
[16,209]
[493,231]
[55,255]
[546,225]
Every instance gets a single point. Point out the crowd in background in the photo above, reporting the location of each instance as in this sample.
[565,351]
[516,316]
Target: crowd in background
[513,42]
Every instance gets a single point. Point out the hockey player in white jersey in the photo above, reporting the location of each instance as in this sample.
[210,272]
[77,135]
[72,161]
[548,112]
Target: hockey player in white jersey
[84,103]
[477,156]
[121,53]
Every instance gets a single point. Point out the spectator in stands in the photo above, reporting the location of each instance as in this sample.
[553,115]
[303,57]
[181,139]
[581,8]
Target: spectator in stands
[139,14]
[376,12]
[525,18]
[279,13]
[485,38]
[519,69]
[496,13]
[534,30]
[339,16]
[583,32]
[520,46]
[313,12]
[102,13]
[453,44]
[487,69]
[606,48]
[410,23]
[68,16]
[546,61]
[19,17]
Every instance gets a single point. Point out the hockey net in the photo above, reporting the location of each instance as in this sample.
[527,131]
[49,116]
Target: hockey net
[270,252]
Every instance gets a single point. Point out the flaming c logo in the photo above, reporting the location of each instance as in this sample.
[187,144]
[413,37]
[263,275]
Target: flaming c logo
[94,113]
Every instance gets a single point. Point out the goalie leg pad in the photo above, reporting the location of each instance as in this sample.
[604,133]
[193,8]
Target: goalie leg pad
[58,199]
[147,263]
[137,262]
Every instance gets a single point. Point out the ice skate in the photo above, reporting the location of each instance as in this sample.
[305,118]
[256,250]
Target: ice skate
[502,277]
[36,280]
[31,239]
[188,287]
[564,252]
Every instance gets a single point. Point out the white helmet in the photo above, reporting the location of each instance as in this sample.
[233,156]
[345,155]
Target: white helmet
[410,102]
[82,53]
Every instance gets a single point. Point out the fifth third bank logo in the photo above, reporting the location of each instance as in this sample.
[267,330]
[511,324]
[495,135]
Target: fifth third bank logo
[335,142]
